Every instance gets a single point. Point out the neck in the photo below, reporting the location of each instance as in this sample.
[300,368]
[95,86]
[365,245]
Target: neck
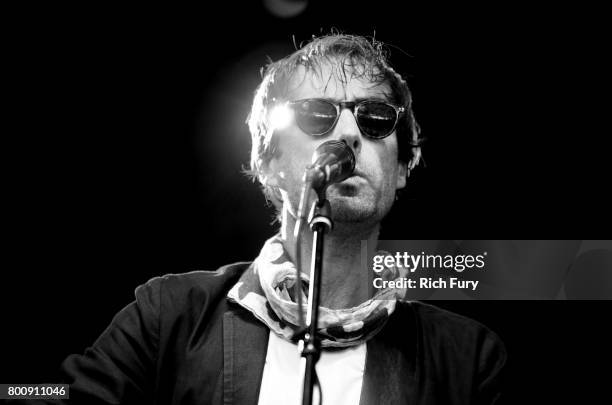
[345,280]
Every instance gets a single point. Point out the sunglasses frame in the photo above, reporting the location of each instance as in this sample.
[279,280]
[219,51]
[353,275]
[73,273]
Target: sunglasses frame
[353,106]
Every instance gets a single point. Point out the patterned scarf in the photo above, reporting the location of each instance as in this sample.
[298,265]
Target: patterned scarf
[266,289]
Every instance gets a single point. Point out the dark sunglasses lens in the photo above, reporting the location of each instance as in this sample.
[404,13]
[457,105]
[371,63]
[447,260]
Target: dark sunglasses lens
[376,120]
[315,117]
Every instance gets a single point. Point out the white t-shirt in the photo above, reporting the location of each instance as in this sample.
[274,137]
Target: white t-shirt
[340,374]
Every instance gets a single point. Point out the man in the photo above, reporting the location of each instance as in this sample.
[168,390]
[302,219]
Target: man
[229,336]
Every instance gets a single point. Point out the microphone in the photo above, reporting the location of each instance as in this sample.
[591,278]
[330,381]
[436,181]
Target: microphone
[332,162]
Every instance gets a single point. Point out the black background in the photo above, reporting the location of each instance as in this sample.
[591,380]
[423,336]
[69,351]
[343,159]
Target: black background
[124,137]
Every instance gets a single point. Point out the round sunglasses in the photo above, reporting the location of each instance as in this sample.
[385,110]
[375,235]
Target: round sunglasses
[316,116]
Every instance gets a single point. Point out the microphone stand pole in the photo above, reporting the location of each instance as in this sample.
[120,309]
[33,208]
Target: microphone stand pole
[310,345]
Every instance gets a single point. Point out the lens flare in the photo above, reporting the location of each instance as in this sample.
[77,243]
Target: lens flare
[281,116]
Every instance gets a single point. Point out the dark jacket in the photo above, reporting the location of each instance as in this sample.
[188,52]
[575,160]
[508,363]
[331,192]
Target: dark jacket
[183,342]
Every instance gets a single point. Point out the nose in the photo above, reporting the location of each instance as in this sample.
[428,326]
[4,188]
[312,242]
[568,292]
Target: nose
[347,130]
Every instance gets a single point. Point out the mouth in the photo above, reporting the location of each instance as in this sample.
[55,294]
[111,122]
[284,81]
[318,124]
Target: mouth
[357,174]
[351,185]
[353,178]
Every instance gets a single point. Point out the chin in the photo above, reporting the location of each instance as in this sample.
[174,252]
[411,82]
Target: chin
[356,207]
[354,210]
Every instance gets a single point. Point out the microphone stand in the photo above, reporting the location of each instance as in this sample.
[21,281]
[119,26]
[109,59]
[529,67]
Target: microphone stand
[333,161]
[309,344]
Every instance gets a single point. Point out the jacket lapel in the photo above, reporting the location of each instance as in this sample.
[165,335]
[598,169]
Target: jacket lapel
[390,368]
[245,344]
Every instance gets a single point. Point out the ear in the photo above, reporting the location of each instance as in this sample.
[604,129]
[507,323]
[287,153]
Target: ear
[404,169]
[416,158]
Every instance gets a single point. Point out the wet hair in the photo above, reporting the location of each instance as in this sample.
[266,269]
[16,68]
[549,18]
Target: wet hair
[349,57]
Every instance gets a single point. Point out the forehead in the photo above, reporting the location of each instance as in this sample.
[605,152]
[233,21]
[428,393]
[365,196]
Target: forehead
[330,80]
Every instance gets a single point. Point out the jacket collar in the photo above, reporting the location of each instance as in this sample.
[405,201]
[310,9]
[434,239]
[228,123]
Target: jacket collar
[390,368]
[245,343]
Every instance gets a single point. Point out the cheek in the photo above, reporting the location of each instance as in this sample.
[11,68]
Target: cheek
[385,154]
[293,153]
[387,166]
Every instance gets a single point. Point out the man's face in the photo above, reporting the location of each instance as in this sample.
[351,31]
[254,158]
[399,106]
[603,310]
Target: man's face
[367,196]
